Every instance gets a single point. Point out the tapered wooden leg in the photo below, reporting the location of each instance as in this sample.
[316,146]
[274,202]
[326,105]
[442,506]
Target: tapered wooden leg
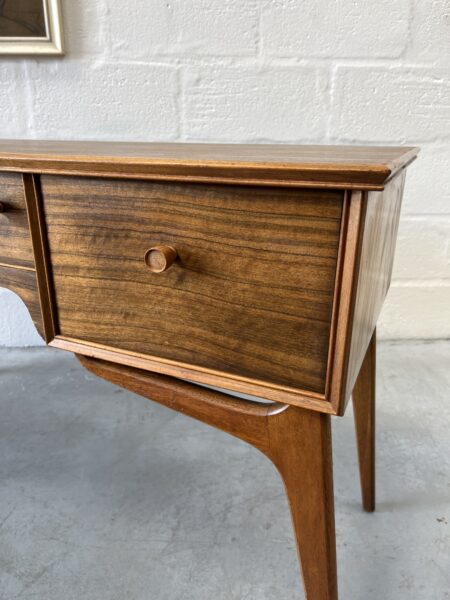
[301,450]
[364,411]
[296,440]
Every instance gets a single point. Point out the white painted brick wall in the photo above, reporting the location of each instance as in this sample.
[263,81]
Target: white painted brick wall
[121,100]
[335,29]
[380,104]
[321,71]
[255,103]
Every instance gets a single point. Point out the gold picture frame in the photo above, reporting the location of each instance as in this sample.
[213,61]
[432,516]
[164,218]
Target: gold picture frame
[31,27]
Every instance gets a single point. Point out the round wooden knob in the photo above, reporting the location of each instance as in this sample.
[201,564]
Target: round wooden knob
[160,258]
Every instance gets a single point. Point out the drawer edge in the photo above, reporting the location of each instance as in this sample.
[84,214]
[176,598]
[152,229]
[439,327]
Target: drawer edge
[245,385]
[18,267]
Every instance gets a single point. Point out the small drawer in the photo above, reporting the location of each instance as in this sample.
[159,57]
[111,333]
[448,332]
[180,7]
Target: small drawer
[15,239]
[230,280]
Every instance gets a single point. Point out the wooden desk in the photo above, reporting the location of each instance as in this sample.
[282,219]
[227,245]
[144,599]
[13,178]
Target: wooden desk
[258,269]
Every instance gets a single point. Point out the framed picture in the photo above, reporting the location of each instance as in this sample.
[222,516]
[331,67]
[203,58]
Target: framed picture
[30,27]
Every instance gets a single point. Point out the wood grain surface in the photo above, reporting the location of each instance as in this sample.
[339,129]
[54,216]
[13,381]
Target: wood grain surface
[379,237]
[344,298]
[344,167]
[15,240]
[250,294]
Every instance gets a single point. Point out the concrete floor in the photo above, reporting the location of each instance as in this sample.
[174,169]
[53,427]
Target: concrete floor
[104,495]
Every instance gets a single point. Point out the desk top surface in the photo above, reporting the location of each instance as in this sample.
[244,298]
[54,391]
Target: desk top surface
[354,167]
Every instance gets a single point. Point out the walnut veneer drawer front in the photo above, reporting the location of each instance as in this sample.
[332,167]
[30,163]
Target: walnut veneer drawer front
[249,295]
[15,240]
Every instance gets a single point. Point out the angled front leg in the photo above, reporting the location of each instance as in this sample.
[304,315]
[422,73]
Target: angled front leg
[300,447]
[364,411]
[296,440]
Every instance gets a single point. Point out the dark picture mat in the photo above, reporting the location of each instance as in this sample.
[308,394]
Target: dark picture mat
[22,18]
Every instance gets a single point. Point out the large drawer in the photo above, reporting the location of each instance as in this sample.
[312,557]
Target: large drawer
[250,294]
[15,239]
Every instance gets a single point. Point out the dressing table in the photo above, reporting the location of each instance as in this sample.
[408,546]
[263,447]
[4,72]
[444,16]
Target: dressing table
[258,269]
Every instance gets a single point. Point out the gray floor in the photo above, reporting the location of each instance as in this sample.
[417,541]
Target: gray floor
[105,495]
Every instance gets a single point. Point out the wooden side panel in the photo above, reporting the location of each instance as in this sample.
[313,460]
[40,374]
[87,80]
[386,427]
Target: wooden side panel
[250,294]
[382,213]
[23,283]
[15,240]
